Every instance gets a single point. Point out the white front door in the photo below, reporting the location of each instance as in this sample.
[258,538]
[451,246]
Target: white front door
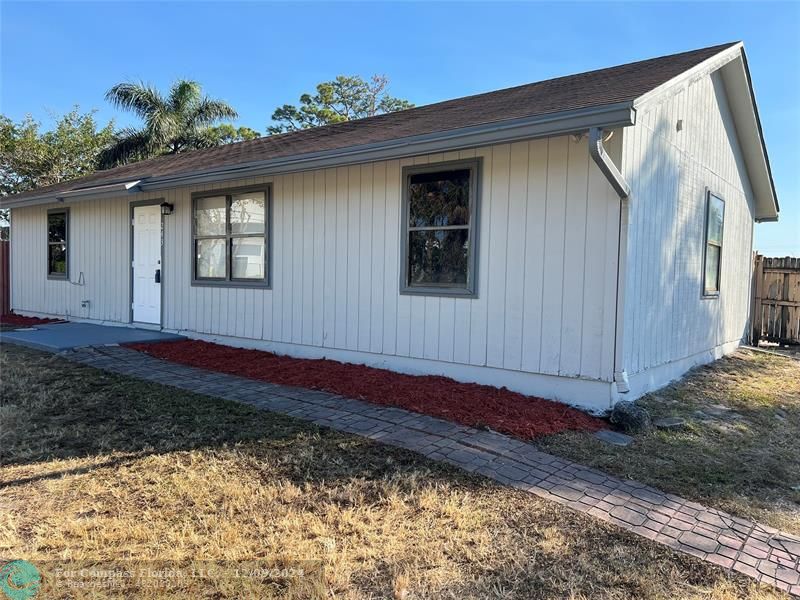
[147,264]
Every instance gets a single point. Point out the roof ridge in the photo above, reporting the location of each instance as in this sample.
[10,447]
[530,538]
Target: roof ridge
[373,118]
[578,91]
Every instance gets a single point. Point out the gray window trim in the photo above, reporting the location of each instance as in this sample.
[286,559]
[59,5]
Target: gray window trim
[228,281]
[712,294]
[447,290]
[57,276]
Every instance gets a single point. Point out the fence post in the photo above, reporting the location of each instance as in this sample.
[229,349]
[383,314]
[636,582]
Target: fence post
[784,310]
[755,306]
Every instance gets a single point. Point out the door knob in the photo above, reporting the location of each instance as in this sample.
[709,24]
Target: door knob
[158,275]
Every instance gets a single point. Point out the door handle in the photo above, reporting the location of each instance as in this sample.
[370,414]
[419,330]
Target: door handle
[158,275]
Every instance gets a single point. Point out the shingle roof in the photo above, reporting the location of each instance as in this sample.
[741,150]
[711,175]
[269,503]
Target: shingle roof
[594,88]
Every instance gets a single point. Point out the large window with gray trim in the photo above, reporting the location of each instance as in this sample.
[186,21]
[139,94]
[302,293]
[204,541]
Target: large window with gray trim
[231,237]
[58,243]
[712,257]
[440,213]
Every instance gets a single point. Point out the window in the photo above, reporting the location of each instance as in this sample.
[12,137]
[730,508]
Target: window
[715,216]
[231,237]
[57,243]
[440,207]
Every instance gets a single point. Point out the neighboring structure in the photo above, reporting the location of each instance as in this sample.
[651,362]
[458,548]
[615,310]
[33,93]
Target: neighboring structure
[586,238]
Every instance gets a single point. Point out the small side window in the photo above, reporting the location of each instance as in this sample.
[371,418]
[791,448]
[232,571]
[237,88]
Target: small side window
[57,243]
[712,258]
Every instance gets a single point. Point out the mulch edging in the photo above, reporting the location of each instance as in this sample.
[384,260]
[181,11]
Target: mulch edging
[12,319]
[470,404]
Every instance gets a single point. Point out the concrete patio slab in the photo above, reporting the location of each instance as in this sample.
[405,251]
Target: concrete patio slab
[57,337]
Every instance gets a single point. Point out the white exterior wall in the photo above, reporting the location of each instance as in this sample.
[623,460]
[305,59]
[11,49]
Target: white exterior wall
[669,326]
[99,238]
[546,272]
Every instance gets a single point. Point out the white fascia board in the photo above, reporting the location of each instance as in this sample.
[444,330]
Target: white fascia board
[125,186]
[114,189]
[743,106]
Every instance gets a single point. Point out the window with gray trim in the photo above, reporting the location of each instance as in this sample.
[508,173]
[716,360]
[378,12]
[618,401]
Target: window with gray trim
[231,237]
[440,207]
[57,243]
[712,258]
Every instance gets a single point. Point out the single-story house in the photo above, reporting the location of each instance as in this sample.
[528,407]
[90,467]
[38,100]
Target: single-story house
[586,238]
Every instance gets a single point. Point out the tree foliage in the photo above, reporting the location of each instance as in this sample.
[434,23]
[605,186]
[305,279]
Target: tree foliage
[227,134]
[182,120]
[30,158]
[343,99]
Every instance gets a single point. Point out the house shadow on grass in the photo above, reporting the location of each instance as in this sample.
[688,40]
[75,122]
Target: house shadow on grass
[55,410]
[739,450]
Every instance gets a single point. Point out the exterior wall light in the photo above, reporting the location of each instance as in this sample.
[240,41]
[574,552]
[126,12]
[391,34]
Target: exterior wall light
[167,208]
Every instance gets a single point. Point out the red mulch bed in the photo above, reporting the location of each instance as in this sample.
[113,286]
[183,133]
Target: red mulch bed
[469,404]
[20,321]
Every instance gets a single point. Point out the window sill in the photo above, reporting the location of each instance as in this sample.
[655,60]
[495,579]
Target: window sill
[713,296]
[439,292]
[58,278]
[259,285]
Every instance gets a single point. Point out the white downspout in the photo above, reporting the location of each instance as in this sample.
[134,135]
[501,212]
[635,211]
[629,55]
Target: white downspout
[617,181]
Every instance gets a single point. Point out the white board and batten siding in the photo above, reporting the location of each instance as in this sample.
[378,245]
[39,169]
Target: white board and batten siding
[99,236]
[542,322]
[668,323]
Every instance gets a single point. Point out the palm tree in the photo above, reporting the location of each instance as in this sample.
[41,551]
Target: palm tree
[172,124]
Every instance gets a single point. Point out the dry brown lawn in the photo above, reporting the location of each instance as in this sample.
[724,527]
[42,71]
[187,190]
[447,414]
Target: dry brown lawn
[739,451]
[105,470]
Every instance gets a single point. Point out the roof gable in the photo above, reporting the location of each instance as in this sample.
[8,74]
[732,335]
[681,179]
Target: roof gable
[731,64]
[742,103]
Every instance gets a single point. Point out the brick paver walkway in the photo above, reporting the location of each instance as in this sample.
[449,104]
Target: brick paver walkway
[764,553]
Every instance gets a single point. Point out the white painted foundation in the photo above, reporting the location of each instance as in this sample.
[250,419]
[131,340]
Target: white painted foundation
[657,377]
[591,395]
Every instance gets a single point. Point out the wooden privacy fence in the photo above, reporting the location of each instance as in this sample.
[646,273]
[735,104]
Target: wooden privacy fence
[776,300]
[5,279]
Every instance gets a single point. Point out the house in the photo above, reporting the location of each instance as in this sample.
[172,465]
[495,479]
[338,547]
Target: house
[586,238]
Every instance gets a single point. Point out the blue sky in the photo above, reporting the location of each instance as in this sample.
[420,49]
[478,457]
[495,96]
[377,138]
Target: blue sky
[259,55]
